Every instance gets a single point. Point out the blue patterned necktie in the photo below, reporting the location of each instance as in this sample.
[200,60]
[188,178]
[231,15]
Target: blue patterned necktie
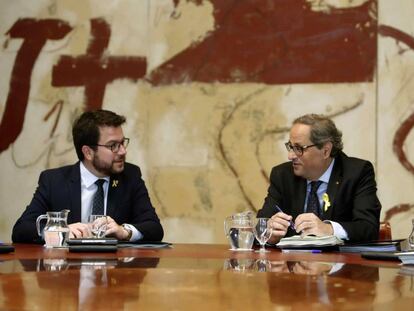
[98,199]
[313,200]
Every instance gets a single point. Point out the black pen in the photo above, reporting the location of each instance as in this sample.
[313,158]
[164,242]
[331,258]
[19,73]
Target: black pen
[292,225]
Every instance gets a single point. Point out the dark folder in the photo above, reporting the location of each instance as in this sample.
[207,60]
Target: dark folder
[88,245]
[93,241]
[381,255]
[6,248]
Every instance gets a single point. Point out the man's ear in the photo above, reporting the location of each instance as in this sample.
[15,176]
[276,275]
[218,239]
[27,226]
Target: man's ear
[327,149]
[87,152]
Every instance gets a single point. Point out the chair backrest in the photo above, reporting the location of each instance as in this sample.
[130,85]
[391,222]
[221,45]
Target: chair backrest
[385,231]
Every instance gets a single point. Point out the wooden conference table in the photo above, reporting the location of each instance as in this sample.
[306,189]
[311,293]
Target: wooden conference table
[200,277]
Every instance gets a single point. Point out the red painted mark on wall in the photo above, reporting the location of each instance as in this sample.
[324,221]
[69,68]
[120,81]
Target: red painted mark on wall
[277,42]
[405,128]
[95,69]
[34,33]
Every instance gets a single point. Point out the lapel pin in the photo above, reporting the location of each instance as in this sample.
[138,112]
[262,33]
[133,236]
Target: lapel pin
[326,201]
[114,183]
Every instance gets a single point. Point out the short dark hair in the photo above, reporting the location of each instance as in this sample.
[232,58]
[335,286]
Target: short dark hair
[85,130]
[323,130]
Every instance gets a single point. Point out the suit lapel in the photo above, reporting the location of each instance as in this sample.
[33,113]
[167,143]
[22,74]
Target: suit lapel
[113,195]
[75,194]
[334,182]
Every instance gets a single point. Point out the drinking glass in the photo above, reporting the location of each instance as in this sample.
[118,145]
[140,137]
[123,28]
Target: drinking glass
[262,233]
[98,225]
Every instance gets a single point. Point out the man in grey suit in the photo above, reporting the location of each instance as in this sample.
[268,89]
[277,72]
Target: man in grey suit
[321,191]
[101,148]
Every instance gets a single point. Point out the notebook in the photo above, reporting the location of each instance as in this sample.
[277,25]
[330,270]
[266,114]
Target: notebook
[309,241]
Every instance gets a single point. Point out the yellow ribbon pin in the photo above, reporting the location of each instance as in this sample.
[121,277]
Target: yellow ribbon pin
[114,183]
[326,202]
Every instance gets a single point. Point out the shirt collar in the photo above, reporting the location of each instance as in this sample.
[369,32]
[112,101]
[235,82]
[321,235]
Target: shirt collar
[325,176]
[87,177]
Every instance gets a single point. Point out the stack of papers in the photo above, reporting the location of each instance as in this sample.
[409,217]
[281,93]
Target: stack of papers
[407,258]
[298,241]
[374,246]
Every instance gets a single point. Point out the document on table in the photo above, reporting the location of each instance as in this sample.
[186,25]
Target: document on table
[407,258]
[298,241]
[373,246]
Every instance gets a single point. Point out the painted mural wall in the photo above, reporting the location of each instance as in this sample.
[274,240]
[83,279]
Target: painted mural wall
[209,88]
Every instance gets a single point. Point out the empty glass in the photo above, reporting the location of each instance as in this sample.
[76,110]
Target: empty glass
[262,233]
[98,225]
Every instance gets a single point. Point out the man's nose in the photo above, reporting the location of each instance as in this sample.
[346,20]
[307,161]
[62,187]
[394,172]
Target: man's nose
[122,149]
[291,155]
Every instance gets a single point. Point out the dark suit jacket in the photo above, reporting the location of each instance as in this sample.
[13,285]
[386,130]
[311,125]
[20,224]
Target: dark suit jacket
[351,189]
[60,188]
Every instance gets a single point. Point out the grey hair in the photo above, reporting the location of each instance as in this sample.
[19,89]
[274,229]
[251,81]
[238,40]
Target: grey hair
[323,130]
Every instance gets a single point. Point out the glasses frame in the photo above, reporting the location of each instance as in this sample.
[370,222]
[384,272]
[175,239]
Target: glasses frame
[297,149]
[115,146]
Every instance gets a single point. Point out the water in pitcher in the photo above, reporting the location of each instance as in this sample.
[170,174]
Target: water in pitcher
[241,238]
[56,237]
[56,230]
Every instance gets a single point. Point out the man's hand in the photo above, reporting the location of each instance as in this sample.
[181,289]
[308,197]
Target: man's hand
[115,230]
[309,223]
[279,223]
[79,230]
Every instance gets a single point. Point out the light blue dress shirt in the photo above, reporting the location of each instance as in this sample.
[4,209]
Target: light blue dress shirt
[339,231]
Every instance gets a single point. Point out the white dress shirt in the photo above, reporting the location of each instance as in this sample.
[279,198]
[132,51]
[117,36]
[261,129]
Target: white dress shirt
[88,189]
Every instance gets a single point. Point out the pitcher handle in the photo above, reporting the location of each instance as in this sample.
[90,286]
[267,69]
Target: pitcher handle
[38,223]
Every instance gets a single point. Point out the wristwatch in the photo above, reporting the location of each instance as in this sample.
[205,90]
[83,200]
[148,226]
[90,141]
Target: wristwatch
[129,232]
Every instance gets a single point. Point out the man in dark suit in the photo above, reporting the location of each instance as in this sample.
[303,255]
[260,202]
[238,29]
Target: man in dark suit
[101,148]
[321,191]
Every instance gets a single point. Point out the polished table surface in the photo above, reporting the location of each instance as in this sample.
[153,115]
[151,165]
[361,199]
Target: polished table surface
[200,277]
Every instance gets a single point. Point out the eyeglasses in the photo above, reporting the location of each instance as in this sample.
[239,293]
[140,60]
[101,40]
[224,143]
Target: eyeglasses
[298,150]
[114,147]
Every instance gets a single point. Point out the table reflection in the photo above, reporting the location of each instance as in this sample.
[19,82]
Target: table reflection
[85,281]
[63,264]
[324,283]
[302,267]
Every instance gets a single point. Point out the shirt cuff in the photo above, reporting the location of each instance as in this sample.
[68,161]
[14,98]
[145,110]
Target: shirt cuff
[136,235]
[338,230]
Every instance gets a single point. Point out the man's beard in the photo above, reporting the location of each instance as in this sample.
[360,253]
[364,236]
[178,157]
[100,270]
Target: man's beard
[107,169]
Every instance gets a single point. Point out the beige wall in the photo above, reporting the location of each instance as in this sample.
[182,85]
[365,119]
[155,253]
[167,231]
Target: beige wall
[202,146]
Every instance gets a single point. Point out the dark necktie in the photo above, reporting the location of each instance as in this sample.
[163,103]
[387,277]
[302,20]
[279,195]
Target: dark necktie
[98,199]
[313,200]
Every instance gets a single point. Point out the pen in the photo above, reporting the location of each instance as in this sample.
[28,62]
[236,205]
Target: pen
[313,251]
[292,225]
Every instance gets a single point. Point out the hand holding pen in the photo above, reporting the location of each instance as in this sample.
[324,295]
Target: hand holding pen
[292,225]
